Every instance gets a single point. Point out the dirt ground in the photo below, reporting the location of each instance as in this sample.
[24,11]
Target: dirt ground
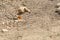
[43,23]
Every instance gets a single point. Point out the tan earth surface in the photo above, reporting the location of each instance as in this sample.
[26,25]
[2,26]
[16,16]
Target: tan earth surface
[43,23]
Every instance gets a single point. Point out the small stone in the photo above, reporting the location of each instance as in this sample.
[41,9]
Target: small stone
[4,30]
[23,9]
[58,5]
[3,23]
[58,10]
[21,20]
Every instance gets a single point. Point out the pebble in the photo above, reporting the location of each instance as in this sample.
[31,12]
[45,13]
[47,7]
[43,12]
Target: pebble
[3,23]
[58,4]
[4,30]
[58,8]
[23,9]
[21,20]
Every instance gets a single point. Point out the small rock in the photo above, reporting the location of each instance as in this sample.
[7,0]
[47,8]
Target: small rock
[58,10]
[23,9]
[19,20]
[4,30]
[3,23]
[58,5]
